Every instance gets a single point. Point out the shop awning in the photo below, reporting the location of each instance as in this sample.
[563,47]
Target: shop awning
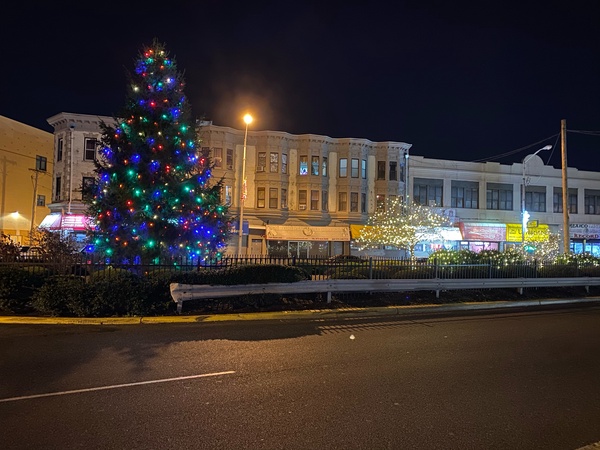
[307,233]
[495,232]
[66,222]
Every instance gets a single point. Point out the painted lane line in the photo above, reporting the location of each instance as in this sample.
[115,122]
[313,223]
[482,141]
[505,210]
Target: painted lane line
[114,386]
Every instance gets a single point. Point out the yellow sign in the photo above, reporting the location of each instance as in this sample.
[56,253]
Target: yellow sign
[541,233]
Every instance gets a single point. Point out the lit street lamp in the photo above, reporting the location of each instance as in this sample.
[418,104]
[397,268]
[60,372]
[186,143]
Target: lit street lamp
[524,214]
[248,120]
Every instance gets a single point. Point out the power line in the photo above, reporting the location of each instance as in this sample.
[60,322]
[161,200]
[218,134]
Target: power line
[502,155]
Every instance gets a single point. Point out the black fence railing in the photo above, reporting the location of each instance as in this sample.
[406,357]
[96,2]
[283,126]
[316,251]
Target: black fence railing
[343,266]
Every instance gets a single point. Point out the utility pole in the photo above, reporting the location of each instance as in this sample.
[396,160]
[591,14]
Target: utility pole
[33,203]
[565,187]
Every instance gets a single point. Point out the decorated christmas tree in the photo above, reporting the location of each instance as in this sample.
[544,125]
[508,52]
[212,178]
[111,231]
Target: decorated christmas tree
[154,198]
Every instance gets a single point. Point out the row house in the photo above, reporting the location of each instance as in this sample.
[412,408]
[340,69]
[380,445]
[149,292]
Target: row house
[303,191]
[308,195]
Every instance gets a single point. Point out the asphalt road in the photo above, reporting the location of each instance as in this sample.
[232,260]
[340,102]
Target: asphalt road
[519,380]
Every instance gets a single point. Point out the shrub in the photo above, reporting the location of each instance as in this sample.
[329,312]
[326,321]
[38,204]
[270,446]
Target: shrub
[62,295]
[17,286]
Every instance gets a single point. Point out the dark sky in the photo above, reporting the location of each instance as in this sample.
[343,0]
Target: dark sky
[458,80]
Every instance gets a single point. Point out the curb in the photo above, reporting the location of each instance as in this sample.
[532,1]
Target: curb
[340,313]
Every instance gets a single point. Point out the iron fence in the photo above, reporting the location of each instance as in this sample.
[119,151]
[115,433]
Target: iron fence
[340,267]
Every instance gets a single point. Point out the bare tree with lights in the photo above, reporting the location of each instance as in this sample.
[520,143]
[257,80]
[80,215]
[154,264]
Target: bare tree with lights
[401,226]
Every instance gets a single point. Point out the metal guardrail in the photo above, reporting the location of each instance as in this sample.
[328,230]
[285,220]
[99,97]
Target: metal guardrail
[184,292]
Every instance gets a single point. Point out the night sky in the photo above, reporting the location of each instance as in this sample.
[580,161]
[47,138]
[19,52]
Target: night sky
[458,80]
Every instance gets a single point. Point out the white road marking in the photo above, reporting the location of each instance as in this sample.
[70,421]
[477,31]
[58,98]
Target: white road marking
[114,386]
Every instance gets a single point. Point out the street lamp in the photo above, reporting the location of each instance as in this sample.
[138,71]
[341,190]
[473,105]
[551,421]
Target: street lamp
[248,120]
[524,214]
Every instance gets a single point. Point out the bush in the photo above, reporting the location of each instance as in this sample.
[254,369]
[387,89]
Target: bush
[17,286]
[62,295]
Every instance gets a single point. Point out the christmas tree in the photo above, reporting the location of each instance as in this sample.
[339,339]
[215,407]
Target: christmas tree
[153,198]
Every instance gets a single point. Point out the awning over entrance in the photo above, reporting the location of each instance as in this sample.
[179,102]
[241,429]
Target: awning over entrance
[483,231]
[66,222]
[307,233]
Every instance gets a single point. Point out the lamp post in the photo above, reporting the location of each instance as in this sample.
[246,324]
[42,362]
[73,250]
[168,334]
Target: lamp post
[523,212]
[248,121]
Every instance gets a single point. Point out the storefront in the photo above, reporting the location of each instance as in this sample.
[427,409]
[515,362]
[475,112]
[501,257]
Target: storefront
[442,238]
[75,225]
[304,241]
[585,238]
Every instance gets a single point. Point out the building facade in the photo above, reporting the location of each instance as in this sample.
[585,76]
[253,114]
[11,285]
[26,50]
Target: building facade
[309,195]
[26,178]
[485,202]
[302,192]
[76,138]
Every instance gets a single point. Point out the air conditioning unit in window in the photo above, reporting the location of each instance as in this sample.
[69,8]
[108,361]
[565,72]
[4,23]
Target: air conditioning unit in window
[431,203]
[301,207]
[229,166]
[260,168]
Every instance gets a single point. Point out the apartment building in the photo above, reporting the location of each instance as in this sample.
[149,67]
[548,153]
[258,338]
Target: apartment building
[309,195]
[302,191]
[26,178]
[76,139]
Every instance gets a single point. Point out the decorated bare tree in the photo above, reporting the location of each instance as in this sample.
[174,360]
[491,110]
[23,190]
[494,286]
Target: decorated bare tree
[402,226]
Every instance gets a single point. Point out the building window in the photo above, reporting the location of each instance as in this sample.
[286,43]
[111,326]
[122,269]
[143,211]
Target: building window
[87,185]
[87,182]
[59,149]
[402,173]
[284,199]
[260,197]
[41,200]
[218,157]
[228,192]
[314,165]
[261,161]
[274,162]
[381,170]
[380,198]
[342,201]
[325,201]
[557,206]
[57,189]
[535,199]
[354,168]
[324,166]
[393,171]
[314,200]
[343,167]
[303,165]
[284,163]
[499,196]
[40,163]
[465,194]
[592,201]
[363,169]
[428,192]
[363,202]
[302,199]
[273,198]
[90,149]
[229,160]
[353,201]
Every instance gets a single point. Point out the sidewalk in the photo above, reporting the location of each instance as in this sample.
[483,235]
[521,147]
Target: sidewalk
[340,313]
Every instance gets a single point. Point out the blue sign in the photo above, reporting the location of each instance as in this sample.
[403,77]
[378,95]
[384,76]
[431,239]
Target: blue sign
[245,229]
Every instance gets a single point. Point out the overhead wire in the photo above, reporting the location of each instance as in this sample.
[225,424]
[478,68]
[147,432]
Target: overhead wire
[512,152]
